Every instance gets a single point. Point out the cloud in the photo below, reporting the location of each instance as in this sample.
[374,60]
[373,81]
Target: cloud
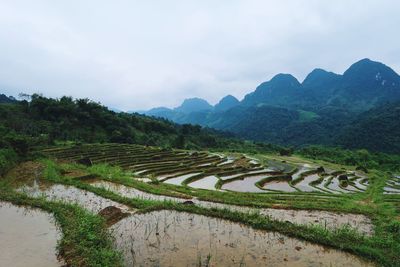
[140,54]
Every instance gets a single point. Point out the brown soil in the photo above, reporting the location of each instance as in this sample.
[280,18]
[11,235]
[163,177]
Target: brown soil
[74,173]
[112,215]
[242,162]
[278,206]
[366,202]
[25,172]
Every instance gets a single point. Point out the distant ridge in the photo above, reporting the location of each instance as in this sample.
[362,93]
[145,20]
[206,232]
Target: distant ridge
[320,110]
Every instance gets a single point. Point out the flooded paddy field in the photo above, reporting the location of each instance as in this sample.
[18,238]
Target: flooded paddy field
[330,220]
[392,185]
[279,186]
[70,194]
[170,238]
[208,182]
[130,192]
[245,185]
[179,179]
[304,185]
[28,237]
[175,167]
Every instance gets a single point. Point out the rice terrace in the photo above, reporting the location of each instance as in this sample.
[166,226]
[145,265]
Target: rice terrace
[174,207]
[200,133]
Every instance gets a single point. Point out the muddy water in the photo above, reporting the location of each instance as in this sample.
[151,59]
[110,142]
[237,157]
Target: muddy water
[231,176]
[321,186]
[330,220]
[245,185]
[358,184]
[326,219]
[280,186]
[304,185]
[353,189]
[205,183]
[247,173]
[227,161]
[28,237]
[178,180]
[72,194]
[169,238]
[297,174]
[390,190]
[130,192]
[334,185]
[392,184]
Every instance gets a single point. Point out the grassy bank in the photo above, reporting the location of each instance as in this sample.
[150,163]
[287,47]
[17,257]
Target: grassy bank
[85,240]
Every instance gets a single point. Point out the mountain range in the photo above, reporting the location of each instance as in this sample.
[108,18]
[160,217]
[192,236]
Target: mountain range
[358,109]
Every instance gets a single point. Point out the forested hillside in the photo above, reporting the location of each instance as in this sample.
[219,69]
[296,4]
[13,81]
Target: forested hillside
[377,130]
[45,121]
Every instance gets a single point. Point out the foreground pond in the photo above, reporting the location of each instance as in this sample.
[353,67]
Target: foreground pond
[28,237]
[170,238]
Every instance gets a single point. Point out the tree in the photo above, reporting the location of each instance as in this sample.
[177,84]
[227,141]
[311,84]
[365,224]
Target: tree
[180,141]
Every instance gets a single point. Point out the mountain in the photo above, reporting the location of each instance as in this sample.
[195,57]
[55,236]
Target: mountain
[326,108]
[183,113]
[193,105]
[7,99]
[365,85]
[317,88]
[158,112]
[282,125]
[281,90]
[192,110]
[226,103]
[254,122]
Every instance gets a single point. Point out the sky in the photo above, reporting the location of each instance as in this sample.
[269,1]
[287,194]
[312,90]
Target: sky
[135,55]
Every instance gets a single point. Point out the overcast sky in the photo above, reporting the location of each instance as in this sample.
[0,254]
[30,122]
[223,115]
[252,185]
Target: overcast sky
[136,55]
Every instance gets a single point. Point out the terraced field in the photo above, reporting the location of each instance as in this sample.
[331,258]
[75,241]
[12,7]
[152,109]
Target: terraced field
[392,185]
[214,171]
[392,192]
[185,208]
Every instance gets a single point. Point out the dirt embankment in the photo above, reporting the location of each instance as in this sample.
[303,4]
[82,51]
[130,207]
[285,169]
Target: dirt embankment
[25,173]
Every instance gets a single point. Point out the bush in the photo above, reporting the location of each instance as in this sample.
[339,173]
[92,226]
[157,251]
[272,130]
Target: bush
[8,158]
[394,227]
[286,151]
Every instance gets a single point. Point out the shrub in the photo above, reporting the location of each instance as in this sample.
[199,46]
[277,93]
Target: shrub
[8,158]
[286,151]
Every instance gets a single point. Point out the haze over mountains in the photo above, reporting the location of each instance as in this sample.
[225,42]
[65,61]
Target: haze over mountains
[326,108]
